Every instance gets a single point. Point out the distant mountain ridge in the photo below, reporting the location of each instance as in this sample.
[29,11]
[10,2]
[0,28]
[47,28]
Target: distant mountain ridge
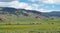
[28,13]
[8,10]
[53,13]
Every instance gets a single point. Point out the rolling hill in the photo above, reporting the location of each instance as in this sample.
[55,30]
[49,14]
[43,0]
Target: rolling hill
[8,12]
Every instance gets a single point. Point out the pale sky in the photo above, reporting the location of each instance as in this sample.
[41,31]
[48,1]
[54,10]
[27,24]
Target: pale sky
[39,5]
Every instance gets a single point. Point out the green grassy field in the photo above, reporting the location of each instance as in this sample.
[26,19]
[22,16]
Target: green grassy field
[29,28]
[30,25]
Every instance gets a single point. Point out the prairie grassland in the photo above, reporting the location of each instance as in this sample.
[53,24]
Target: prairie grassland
[30,25]
[29,28]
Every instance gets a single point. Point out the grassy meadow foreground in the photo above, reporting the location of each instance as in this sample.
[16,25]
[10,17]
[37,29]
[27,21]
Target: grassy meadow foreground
[29,25]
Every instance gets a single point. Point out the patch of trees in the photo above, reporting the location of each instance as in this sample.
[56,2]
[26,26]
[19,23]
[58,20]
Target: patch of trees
[36,23]
[51,23]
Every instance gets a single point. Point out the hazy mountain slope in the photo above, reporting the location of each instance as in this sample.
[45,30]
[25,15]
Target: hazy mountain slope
[53,13]
[8,12]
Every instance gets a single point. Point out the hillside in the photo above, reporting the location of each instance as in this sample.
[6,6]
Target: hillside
[53,13]
[7,13]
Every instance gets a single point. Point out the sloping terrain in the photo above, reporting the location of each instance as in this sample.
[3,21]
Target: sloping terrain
[8,12]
